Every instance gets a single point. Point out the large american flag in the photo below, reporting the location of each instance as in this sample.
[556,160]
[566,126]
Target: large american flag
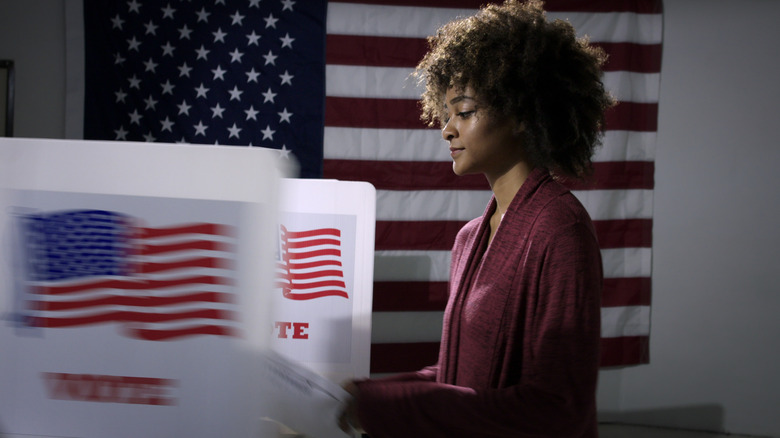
[329,84]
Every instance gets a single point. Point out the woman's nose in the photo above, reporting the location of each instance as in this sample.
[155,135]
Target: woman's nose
[448,131]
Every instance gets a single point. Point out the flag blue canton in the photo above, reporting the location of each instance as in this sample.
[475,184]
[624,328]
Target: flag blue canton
[76,244]
[244,73]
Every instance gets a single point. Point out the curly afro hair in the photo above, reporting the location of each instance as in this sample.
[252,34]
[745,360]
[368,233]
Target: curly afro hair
[535,71]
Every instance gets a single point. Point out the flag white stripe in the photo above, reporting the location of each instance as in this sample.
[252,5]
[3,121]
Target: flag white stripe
[434,265]
[420,22]
[392,327]
[397,83]
[428,145]
[464,205]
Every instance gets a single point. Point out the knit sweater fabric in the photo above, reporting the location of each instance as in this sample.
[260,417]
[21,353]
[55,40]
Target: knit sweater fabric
[519,352]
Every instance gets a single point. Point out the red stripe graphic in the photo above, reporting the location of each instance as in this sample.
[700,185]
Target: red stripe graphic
[168,335]
[128,316]
[139,284]
[302,278]
[134,301]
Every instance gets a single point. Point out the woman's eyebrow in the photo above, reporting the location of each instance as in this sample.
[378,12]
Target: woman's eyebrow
[457,99]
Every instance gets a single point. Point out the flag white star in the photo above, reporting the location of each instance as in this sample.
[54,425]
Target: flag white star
[167,87]
[234,130]
[284,116]
[201,91]
[134,44]
[121,134]
[286,40]
[219,73]
[269,96]
[237,19]
[151,103]
[200,128]
[253,38]
[251,113]
[270,58]
[120,96]
[268,133]
[251,75]
[134,6]
[203,15]
[118,59]
[151,28]
[255,3]
[270,21]
[117,22]
[168,49]
[202,52]
[235,56]
[184,32]
[150,65]
[149,138]
[135,117]
[167,124]
[168,11]
[135,82]
[219,35]
[288,4]
[216,111]
[184,108]
[284,152]
[286,78]
[184,70]
[235,93]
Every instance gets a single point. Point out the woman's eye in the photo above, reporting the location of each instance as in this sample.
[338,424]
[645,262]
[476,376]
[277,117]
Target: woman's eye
[465,114]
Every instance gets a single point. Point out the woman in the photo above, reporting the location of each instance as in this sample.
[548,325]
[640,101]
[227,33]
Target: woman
[520,100]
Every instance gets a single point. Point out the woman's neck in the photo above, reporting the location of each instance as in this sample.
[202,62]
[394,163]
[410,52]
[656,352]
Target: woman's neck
[506,185]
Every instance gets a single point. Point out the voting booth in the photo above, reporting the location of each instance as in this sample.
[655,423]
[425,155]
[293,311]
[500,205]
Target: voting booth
[144,286]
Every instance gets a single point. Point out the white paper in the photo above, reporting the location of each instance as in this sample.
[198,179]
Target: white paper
[301,399]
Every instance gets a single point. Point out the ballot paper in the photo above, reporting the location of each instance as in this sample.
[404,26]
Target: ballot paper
[301,399]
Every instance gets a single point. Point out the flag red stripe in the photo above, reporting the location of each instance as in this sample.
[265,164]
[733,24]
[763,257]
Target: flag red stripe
[438,175]
[627,350]
[638,6]
[164,335]
[412,356]
[131,284]
[310,265]
[354,112]
[620,292]
[376,51]
[310,275]
[404,296]
[198,262]
[144,301]
[314,285]
[205,228]
[440,235]
[421,296]
[313,295]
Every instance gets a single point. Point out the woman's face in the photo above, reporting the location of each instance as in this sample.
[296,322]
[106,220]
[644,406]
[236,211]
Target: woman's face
[480,141]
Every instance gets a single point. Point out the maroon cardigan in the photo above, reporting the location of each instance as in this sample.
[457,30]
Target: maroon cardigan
[519,352]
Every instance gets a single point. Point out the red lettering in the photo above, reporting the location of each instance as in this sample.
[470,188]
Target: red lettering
[283,326]
[298,333]
[109,389]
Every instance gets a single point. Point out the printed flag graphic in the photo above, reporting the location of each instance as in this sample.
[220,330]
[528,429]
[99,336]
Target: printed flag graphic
[310,265]
[92,267]
[191,55]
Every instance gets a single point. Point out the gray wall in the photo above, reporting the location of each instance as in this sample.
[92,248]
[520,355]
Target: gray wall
[715,356]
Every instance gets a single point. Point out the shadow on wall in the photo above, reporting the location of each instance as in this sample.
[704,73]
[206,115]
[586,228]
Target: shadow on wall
[706,417]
